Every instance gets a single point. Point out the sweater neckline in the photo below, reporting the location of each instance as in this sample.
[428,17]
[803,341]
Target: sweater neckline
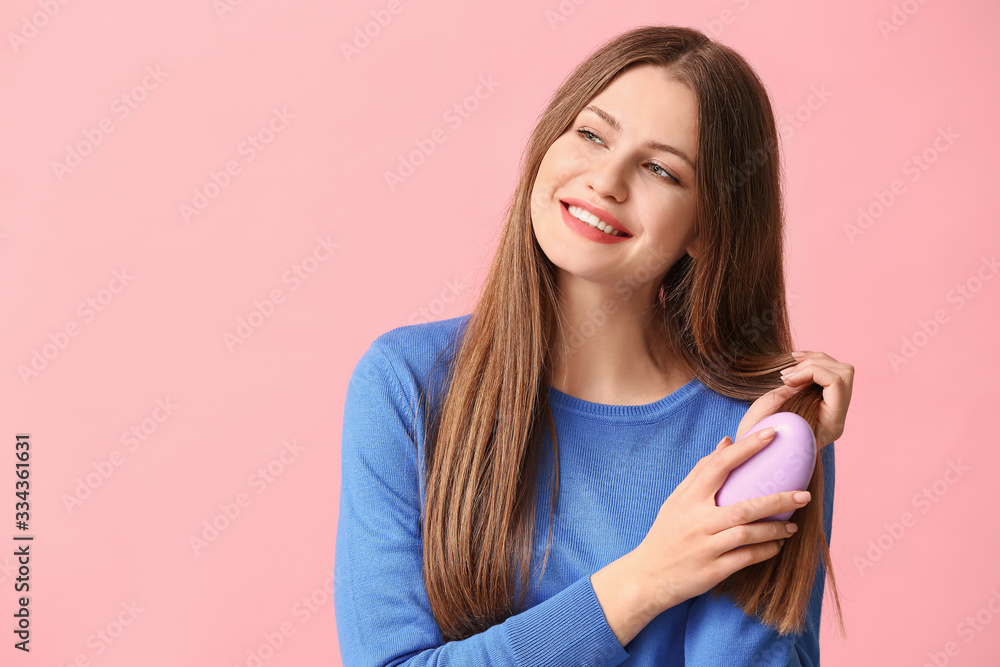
[656,409]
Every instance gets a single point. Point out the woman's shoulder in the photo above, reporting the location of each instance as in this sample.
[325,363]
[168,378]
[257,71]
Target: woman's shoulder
[410,352]
[422,342]
[430,332]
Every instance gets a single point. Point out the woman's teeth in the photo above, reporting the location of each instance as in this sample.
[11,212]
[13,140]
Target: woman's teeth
[592,220]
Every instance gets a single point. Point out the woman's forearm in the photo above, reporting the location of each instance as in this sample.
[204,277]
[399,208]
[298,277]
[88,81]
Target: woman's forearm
[624,598]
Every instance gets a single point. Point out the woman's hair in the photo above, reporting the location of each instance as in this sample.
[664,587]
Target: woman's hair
[724,314]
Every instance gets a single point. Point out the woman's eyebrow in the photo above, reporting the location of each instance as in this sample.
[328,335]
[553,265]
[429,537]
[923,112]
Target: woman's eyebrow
[611,120]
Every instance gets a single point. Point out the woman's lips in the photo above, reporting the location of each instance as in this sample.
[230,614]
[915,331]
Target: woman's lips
[585,230]
[600,213]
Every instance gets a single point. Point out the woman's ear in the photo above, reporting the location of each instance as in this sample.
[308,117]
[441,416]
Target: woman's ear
[695,246]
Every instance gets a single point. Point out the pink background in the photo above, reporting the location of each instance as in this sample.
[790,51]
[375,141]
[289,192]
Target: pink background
[914,572]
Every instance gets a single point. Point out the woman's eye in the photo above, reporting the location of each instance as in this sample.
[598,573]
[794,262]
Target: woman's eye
[663,172]
[586,134]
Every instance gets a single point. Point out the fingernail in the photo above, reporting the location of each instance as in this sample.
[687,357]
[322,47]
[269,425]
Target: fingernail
[802,497]
[781,543]
[798,354]
[766,433]
[788,371]
[791,528]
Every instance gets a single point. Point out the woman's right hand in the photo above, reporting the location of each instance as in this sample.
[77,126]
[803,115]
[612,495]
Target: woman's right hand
[693,545]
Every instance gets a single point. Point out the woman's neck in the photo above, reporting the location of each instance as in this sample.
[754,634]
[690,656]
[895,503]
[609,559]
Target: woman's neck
[615,358]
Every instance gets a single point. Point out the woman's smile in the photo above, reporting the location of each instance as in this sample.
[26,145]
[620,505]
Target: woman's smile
[591,226]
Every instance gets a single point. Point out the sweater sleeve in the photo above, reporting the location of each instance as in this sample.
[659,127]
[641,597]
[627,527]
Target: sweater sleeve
[718,627]
[382,611]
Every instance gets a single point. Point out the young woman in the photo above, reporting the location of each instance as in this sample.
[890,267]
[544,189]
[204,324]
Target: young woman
[634,313]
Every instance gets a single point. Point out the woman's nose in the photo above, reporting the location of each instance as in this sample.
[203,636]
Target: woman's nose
[607,177]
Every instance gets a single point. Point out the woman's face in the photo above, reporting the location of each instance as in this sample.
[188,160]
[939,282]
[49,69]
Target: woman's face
[617,174]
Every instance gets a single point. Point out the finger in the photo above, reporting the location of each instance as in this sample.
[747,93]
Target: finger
[819,359]
[722,461]
[737,559]
[811,354]
[705,460]
[839,378]
[837,383]
[700,465]
[755,509]
[753,533]
[805,369]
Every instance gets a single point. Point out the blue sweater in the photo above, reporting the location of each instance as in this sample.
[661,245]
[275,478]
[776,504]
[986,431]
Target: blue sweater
[617,464]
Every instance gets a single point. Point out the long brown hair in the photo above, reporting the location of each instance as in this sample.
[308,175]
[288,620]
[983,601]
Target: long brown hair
[724,313]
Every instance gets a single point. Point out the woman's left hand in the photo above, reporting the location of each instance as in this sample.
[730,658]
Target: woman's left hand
[837,380]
